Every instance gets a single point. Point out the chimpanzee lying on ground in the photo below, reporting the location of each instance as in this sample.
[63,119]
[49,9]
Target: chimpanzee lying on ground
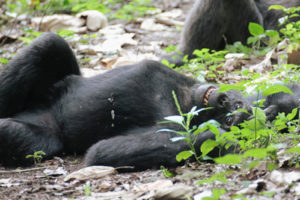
[46,105]
[213,23]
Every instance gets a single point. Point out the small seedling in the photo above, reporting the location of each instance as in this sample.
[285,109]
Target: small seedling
[37,156]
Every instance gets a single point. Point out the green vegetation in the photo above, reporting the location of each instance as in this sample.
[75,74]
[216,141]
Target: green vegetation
[166,172]
[37,156]
[208,63]
[190,134]
[87,188]
[257,138]
[127,11]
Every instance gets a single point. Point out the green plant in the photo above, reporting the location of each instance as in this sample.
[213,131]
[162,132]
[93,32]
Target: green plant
[190,134]
[3,60]
[207,63]
[216,194]
[17,7]
[87,188]
[216,177]
[134,9]
[166,172]
[37,156]
[82,5]
[33,34]
[128,11]
[258,139]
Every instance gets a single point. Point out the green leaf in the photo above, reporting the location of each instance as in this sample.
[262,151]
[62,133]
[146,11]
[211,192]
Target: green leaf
[274,37]
[176,119]
[184,155]
[235,129]
[203,127]
[295,149]
[259,113]
[214,123]
[225,87]
[256,29]
[253,164]
[165,62]
[29,156]
[271,166]
[170,48]
[272,33]
[27,40]
[256,153]
[65,33]
[166,172]
[166,129]
[292,115]
[175,139]
[259,120]
[210,124]
[219,176]
[87,189]
[229,159]
[3,60]
[214,130]
[218,192]
[276,7]
[207,146]
[276,89]
[267,194]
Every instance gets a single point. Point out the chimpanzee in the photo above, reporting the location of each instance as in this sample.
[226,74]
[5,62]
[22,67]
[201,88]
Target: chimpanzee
[213,23]
[46,105]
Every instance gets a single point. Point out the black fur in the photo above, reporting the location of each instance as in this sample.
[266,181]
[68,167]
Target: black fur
[213,23]
[47,106]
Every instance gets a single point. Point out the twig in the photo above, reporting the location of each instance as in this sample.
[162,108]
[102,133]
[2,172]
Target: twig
[124,167]
[21,170]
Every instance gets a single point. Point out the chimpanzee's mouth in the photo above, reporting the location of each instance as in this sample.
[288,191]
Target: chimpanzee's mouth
[207,94]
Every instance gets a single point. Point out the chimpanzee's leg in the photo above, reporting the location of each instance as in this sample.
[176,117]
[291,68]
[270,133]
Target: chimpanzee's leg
[29,75]
[143,149]
[19,139]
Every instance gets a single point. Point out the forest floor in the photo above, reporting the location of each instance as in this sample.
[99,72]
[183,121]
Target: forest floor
[143,38]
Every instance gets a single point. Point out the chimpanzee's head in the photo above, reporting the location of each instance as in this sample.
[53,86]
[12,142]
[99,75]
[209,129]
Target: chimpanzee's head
[223,106]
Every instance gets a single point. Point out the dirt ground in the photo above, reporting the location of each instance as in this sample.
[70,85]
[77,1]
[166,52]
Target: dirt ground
[46,180]
[34,182]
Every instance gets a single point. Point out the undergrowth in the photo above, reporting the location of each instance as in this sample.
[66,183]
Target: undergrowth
[115,9]
[258,139]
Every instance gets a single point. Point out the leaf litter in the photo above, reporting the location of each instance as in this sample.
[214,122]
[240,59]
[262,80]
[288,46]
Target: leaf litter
[121,43]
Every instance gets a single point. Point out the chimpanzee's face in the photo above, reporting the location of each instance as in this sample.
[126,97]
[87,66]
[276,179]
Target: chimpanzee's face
[223,106]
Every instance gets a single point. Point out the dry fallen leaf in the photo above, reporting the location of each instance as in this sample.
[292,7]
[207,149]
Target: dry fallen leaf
[92,172]
[168,18]
[88,20]
[95,20]
[280,177]
[265,65]
[58,22]
[57,172]
[150,25]
[115,42]
[117,29]
[177,192]
[159,184]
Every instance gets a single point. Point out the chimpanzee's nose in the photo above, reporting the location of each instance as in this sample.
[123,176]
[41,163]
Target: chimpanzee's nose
[219,100]
[223,100]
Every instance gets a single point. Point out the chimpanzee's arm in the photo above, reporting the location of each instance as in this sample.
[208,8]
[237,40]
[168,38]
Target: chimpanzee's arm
[142,150]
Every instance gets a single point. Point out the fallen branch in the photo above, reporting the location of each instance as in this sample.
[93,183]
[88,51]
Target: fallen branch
[21,170]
